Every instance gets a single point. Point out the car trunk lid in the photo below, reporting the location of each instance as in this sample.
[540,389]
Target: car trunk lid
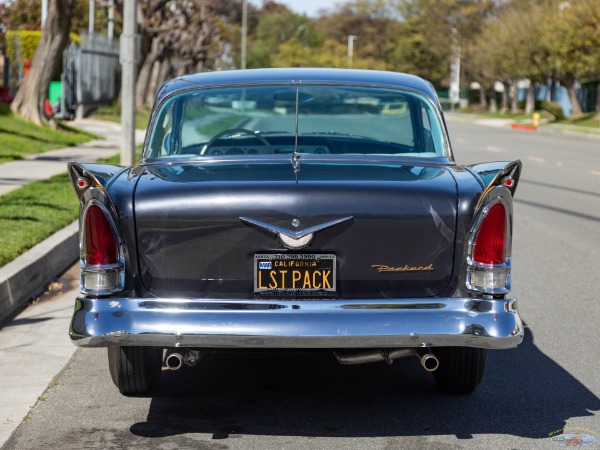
[197,236]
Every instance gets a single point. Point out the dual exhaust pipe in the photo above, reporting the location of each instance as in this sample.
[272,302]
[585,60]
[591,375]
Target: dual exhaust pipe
[175,360]
[428,360]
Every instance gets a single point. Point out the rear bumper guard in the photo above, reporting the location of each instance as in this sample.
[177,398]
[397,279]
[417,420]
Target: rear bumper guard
[104,322]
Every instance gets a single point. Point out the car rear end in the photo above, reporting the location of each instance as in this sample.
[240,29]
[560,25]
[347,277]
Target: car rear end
[300,231]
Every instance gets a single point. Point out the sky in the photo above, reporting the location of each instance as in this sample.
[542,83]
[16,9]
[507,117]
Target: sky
[308,7]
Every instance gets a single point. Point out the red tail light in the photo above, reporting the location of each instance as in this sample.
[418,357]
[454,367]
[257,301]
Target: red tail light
[100,243]
[490,243]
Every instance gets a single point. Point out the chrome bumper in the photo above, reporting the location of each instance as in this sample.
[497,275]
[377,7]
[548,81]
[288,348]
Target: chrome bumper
[493,324]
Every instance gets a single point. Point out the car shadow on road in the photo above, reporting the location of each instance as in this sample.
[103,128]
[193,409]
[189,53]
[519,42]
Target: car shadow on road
[524,393]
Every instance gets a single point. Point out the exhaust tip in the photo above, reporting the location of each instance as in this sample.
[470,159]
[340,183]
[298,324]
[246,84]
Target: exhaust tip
[174,361]
[429,362]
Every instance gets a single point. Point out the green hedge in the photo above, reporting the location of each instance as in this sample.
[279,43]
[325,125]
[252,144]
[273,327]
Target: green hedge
[553,108]
[29,42]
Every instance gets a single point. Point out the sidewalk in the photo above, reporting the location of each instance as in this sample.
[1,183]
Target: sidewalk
[34,345]
[23,278]
[45,165]
[34,348]
[478,120]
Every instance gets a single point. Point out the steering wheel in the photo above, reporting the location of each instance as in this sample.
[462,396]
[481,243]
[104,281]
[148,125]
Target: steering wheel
[219,135]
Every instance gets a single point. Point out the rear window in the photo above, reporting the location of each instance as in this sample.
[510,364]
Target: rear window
[261,120]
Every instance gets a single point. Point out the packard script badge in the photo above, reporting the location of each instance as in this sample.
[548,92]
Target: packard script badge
[383,268]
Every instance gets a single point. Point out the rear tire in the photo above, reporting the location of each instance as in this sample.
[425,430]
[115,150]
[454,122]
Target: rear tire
[135,370]
[461,368]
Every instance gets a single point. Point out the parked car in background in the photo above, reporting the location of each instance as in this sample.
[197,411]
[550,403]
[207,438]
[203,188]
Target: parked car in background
[280,209]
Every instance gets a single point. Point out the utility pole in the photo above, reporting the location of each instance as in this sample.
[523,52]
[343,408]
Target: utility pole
[454,91]
[351,39]
[128,59]
[91,19]
[44,12]
[244,31]
[111,19]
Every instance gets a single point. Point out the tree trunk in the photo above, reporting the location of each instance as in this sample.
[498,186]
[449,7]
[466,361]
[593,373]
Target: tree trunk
[161,72]
[143,79]
[184,32]
[492,102]
[165,72]
[575,105]
[32,94]
[141,87]
[598,100]
[514,103]
[482,98]
[152,84]
[504,107]
[530,100]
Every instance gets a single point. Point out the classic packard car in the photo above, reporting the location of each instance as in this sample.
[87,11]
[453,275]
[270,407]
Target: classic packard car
[287,209]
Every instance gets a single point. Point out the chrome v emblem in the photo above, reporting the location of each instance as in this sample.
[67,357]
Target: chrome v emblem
[294,239]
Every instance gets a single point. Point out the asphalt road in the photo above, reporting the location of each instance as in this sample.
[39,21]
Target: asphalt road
[547,387]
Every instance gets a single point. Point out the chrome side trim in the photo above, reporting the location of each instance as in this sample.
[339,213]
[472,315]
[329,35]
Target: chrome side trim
[373,323]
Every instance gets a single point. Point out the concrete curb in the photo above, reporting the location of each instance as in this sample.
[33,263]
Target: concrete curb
[24,278]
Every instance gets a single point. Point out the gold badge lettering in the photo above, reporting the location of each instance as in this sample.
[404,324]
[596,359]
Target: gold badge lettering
[383,268]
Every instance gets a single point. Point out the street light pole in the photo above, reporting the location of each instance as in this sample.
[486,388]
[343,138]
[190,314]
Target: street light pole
[351,39]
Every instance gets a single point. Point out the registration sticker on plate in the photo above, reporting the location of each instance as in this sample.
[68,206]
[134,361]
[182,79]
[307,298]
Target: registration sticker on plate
[294,274]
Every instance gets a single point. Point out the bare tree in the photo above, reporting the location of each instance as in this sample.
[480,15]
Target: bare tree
[181,37]
[29,101]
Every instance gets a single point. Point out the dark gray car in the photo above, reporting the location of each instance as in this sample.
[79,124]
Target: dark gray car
[298,209]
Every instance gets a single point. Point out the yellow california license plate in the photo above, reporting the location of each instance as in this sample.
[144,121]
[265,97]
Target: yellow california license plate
[294,274]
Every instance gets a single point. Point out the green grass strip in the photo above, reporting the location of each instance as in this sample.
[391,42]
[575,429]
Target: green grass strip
[21,138]
[589,120]
[32,213]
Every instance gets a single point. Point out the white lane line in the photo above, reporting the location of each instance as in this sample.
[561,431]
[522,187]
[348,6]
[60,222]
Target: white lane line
[560,164]
[460,141]
[595,172]
[536,159]
[491,148]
